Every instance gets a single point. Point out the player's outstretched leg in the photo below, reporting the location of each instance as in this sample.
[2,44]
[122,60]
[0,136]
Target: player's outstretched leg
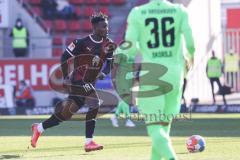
[126,109]
[63,111]
[122,107]
[126,112]
[90,144]
[161,143]
[93,102]
[115,117]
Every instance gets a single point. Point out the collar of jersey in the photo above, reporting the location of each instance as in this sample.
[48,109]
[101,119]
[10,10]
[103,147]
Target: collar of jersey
[94,40]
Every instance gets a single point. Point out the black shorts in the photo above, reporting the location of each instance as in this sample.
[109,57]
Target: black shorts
[77,99]
[79,88]
[79,91]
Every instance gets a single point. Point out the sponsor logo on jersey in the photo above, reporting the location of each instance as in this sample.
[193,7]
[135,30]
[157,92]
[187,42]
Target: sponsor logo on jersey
[95,61]
[71,46]
[162,54]
[89,48]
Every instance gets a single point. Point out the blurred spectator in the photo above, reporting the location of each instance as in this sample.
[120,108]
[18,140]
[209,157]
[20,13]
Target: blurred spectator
[214,72]
[20,37]
[49,8]
[24,97]
[231,66]
[65,9]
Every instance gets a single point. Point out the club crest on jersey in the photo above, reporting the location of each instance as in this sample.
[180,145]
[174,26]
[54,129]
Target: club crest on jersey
[95,61]
[110,47]
[71,46]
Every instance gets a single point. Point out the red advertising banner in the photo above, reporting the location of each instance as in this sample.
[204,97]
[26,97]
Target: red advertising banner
[35,71]
[233,15]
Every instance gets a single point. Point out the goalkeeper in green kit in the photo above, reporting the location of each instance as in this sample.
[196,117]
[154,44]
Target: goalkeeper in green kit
[155,30]
[120,68]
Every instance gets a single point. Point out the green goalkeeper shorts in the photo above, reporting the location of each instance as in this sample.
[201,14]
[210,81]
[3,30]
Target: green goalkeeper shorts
[123,86]
[165,107]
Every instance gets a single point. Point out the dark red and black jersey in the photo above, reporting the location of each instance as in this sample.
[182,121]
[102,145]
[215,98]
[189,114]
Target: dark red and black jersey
[88,57]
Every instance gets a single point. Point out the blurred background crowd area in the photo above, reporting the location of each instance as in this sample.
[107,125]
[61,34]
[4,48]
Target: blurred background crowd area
[46,27]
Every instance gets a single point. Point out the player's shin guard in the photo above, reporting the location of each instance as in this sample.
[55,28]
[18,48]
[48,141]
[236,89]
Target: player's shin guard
[161,144]
[90,126]
[51,122]
[91,121]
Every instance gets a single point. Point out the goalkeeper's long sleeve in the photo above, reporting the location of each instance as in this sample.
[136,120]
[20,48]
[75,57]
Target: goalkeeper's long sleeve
[132,34]
[187,33]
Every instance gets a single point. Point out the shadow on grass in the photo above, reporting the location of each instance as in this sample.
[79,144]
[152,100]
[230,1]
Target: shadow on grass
[81,149]
[205,127]
[182,152]
[9,156]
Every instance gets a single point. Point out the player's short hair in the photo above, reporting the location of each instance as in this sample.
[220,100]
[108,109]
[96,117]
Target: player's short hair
[98,17]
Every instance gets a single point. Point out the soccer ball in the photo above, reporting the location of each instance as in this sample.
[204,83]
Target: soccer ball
[195,143]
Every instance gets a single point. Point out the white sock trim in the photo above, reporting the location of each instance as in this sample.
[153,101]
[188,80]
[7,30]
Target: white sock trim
[88,140]
[40,128]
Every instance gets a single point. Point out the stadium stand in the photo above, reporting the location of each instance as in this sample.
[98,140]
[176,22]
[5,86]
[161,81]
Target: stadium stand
[59,31]
[91,2]
[57,52]
[57,40]
[34,2]
[49,37]
[74,26]
[104,2]
[118,2]
[88,11]
[79,26]
[76,2]
[60,26]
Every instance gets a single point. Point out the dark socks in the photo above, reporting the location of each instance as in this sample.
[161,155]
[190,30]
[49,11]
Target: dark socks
[51,122]
[90,126]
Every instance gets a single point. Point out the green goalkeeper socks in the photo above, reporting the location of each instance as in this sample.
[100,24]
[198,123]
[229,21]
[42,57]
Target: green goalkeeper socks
[161,143]
[123,107]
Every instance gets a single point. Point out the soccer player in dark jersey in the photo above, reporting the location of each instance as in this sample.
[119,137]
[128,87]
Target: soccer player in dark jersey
[88,55]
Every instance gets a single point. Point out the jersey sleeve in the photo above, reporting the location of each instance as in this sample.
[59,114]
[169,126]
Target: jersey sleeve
[109,55]
[73,47]
[107,67]
[117,58]
[187,32]
[132,32]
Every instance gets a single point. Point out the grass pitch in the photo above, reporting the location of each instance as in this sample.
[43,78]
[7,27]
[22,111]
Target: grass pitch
[221,132]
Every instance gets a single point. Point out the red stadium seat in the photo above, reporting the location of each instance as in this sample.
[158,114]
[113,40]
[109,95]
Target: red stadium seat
[86,26]
[34,2]
[78,12]
[105,2]
[91,2]
[60,26]
[57,40]
[76,2]
[118,2]
[74,26]
[37,11]
[57,52]
[105,10]
[48,24]
[88,11]
[70,40]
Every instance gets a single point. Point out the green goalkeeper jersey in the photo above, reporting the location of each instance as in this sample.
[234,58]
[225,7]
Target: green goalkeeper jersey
[125,66]
[157,27]
[124,72]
